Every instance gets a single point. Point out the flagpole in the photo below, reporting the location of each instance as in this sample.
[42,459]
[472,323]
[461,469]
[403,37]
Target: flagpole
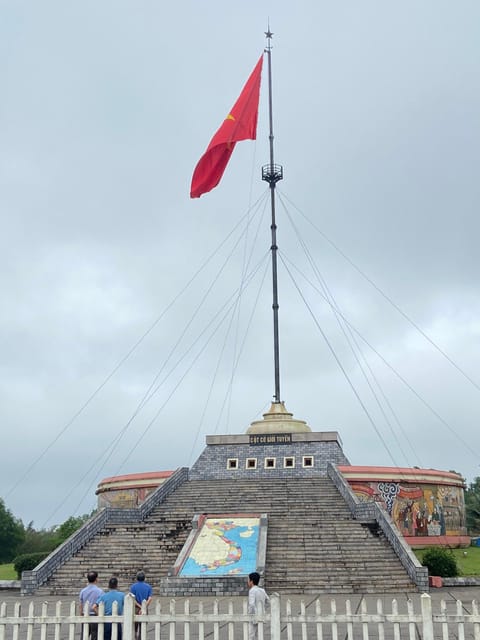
[272,173]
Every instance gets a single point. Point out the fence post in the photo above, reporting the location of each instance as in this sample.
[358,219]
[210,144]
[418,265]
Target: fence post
[129,617]
[427,617]
[275,626]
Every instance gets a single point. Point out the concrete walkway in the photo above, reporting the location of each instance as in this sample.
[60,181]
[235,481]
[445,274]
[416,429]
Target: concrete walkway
[450,594]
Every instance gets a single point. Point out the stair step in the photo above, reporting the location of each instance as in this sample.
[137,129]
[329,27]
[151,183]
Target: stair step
[313,543]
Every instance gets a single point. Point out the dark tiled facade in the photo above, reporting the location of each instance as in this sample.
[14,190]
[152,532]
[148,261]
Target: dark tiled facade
[299,455]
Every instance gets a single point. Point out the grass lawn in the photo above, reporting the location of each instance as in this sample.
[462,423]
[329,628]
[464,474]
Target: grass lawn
[7,572]
[468,560]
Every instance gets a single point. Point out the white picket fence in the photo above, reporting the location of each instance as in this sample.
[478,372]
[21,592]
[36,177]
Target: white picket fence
[228,620]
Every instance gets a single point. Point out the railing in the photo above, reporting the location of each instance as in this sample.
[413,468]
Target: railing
[164,490]
[371,511]
[286,620]
[31,580]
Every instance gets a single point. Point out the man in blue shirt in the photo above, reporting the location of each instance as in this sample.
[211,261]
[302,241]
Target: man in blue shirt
[90,594]
[143,592]
[108,598]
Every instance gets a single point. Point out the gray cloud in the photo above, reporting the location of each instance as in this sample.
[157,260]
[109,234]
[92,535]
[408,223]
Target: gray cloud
[106,108]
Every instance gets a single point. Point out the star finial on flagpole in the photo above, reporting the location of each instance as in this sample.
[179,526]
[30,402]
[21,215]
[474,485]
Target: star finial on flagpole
[269,36]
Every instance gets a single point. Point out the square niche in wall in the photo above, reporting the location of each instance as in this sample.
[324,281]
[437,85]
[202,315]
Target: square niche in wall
[251,463]
[232,463]
[289,462]
[307,461]
[270,463]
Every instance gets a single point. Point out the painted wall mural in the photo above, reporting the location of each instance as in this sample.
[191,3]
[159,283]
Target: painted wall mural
[124,498]
[418,510]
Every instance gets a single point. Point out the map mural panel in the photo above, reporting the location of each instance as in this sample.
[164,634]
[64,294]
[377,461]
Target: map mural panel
[223,546]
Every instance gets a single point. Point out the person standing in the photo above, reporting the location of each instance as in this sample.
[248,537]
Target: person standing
[90,594]
[257,600]
[108,598]
[143,592]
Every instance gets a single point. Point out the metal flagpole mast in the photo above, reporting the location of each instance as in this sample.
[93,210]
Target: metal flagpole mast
[272,173]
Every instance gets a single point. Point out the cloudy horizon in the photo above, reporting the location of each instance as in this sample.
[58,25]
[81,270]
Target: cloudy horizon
[117,287]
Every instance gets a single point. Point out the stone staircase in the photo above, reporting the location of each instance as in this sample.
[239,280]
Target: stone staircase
[313,543]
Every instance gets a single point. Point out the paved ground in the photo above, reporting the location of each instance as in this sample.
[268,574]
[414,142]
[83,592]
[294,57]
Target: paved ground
[449,594]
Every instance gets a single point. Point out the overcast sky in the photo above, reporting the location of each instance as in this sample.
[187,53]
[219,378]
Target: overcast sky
[106,106]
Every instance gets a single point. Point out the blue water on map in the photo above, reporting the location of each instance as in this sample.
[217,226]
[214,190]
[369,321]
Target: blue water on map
[245,565]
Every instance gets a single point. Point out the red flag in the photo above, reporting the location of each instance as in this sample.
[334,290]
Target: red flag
[240,124]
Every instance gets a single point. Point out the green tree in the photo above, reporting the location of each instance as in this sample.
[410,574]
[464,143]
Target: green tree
[472,507]
[12,534]
[440,562]
[65,530]
[37,541]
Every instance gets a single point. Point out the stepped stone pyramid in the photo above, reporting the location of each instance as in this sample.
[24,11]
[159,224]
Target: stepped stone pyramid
[318,538]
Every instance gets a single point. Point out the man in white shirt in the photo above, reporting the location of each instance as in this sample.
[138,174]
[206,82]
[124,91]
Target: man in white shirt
[257,600]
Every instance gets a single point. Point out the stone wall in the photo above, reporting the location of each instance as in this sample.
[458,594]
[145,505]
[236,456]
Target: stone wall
[213,462]
[203,587]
